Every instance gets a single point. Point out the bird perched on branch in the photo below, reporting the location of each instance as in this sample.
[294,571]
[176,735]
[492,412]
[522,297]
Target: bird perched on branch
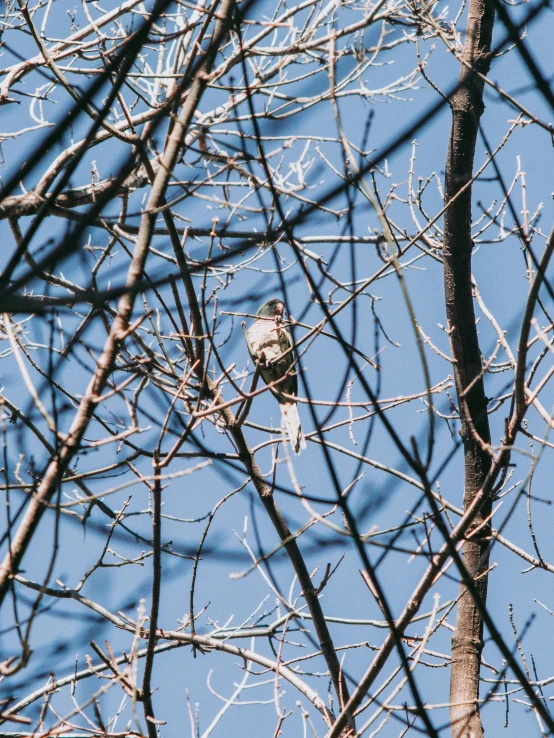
[272,350]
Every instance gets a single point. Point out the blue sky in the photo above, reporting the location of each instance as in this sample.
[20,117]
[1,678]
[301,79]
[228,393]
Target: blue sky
[377,499]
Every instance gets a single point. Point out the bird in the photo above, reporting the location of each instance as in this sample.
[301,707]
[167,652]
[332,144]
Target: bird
[272,350]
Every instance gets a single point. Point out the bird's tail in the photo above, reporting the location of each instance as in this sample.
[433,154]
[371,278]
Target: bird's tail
[291,421]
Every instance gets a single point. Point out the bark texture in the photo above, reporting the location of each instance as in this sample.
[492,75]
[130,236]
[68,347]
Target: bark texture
[467,108]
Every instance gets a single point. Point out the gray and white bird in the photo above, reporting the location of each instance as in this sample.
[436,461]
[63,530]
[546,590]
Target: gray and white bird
[272,350]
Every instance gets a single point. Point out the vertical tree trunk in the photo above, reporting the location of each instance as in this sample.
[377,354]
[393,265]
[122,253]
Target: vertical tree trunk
[467,107]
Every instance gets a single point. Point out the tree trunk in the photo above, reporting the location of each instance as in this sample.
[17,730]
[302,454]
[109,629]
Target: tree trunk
[467,107]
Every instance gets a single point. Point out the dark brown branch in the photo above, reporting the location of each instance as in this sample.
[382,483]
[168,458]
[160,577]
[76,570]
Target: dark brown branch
[155,607]
[467,108]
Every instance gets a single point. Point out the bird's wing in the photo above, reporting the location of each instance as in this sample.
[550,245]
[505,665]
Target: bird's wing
[290,385]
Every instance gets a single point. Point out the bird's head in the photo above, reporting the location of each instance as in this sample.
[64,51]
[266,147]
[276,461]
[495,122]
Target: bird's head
[273,309]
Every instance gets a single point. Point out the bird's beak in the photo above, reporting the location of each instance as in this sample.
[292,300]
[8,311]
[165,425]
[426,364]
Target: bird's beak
[279,309]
